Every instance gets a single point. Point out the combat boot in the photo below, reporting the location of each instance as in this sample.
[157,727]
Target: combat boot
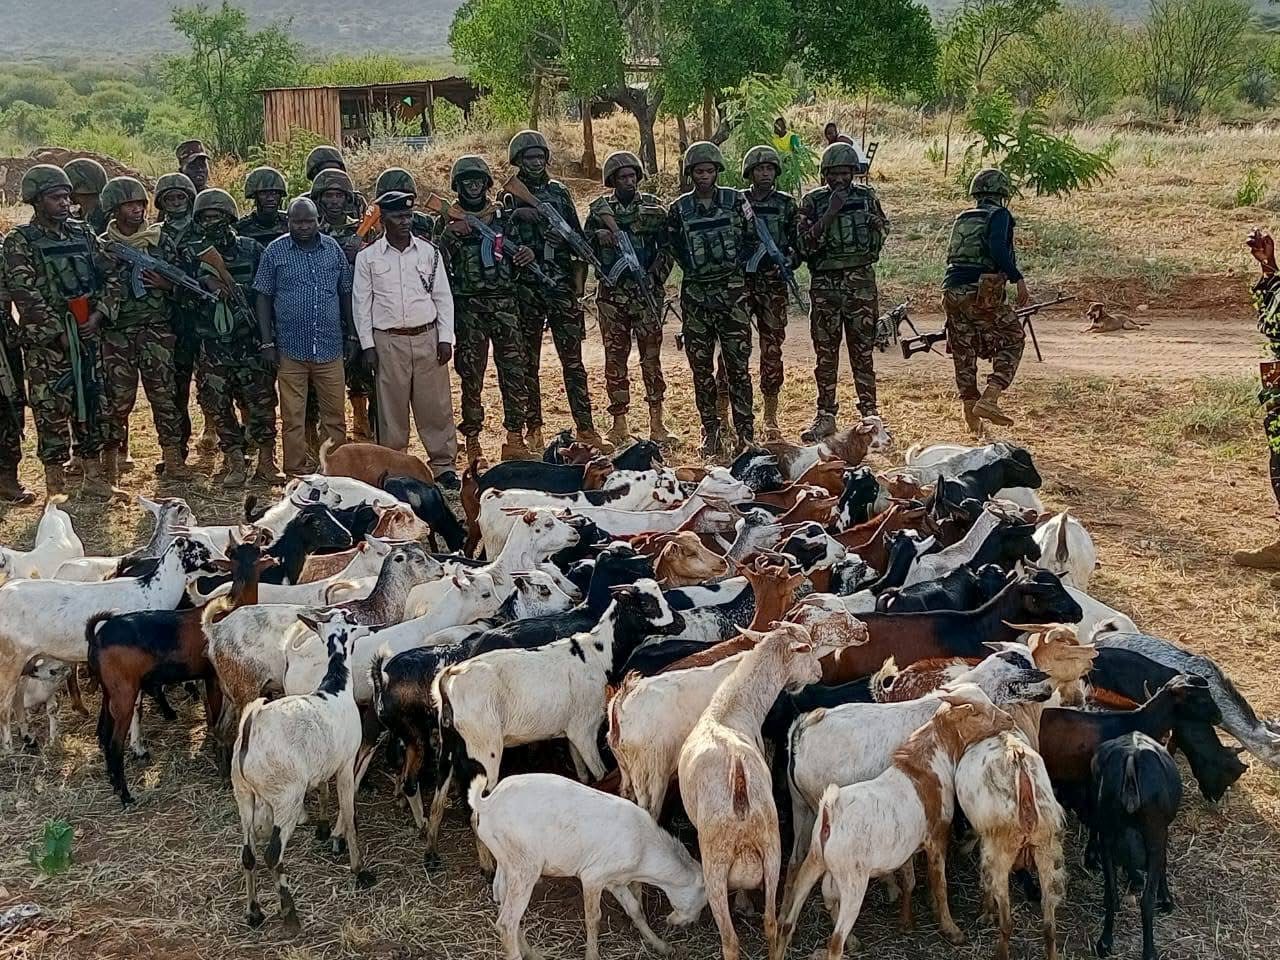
[267,470]
[722,407]
[94,485]
[533,440]
[111,464]
[473,451]
[11,489]
[235,469]
[360,429]
[55,480]
[208,441]
[515,448]
[175,465]
[824,425]
[1264,558]
[620,432]
[657,428]
[710,442]
[988,407]
[594,439]
[772,432]
[971,419]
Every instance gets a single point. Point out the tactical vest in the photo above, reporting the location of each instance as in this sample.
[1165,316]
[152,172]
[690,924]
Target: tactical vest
[233,319]
[468,275]
[153,305]
[712,236]
[556,260]
[773,211]
[66,268]
[969,246]
[423,226]
[345,234]
[855,237]
[253,228]
[643,220]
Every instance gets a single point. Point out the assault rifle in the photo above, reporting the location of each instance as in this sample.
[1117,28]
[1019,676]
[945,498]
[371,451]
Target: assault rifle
[141,263]
[768,246]
[628,260]
[577,243]
[492,247]
[926,341]
[889,325]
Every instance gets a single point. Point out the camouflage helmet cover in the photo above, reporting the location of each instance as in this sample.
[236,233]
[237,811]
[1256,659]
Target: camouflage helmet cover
[264,178]
[397,179]
[175,181]
[331,180]
[620,160]
[214,199]
[122,190]
[523,141]
[86,175]
[42,178]
[990,181]
[842,155]
[469,165]
[758,155]
[704,151]
[322,155]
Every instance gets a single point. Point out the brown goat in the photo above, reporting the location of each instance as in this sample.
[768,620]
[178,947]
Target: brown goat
[870,540]
[371,463]
[828,474]
[786,497]
[683,561]
[811,509]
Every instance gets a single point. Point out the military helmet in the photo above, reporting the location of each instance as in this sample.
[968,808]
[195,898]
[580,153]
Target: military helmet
[121,190]
[522,141]
[989,182]
[469,165]
[42,178]
[620,160]
[322,155]
[758,155]
[704,151]
[86,175]
[331,180]
[212,198]
[264,178]
[397,179]
[842,155]
[175,181]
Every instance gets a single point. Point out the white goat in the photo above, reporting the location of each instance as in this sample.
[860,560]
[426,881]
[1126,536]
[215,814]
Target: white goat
[538,824]
[1095,612]
[951,459]
[716,489]
[365,565]
[44,679]
[56,542]
[286,747]
[1067,549]
[934,566]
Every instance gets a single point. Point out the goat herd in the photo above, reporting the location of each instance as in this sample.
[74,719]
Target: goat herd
[804,646]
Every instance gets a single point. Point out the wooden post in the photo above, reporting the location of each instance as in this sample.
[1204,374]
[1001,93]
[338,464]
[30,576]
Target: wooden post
[535,103]
[589,166]
[708,113]
[431,109]
[866,109]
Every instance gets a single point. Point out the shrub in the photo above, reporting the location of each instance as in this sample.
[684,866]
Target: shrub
[1252,189]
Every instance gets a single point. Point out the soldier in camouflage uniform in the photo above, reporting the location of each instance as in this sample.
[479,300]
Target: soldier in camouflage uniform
[265,188]
[709,232]
[139,340]
[485,312]
[49,263]
[87,180]
[13,400]
[766,285]
[556,306]
[842,229]
[623,311]
[330,158]
[399,180]
[193,163]
[980,262]
[233,369]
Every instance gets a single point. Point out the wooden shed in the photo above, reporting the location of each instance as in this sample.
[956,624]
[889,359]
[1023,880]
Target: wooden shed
[343,115]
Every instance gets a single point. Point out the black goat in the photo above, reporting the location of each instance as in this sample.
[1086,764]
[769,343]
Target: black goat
[312,529]
[964,588]
[758,469]
[972,489]
[429,506]
[904,548]
[861,488]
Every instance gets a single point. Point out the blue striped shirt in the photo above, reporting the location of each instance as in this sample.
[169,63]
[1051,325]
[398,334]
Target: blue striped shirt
[305,283]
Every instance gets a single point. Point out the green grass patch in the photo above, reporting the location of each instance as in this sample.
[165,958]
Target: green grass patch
[1221,413]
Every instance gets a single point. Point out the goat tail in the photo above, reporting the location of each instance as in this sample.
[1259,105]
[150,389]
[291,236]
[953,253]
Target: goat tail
[375,678]
[883,679]
[475,793]
[615,703]
[825,819]
[738,788]
[325,449]
[337,585]
[1025,794]
[1130,793]
[91,636]
[246,730]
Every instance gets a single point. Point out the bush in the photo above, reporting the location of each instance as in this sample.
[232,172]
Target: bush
[1252,189]
[1190,52]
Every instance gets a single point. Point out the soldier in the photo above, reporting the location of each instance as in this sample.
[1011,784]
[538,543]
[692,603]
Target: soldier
[233,369]
[87,180]
[266,189]
[622,307]
[12,401]
[766,285]
[330,158]
[53,273]
[485,312]
[842,229]
[139,340]
[399,180]
[193,161]
[556,306]
[980,262]
[709,231]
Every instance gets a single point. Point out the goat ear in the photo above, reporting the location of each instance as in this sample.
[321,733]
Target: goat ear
[310,621]
[799,647]
[150,506]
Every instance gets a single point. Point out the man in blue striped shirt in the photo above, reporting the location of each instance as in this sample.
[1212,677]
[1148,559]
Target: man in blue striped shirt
[304,316]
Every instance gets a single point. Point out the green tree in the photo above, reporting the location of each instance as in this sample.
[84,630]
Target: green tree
[1190,52]
[980,29]
[751,109]
[228,64]
[344,70]
[887,44]
[1077,54]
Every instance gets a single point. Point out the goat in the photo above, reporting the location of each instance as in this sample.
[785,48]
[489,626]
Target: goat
[43,677]
[971,489]
[857,498]
[1095,613]
[850,445]
[371,462]
[48,617]
[540,824]
[870,829]
[1067,549]
[428,504]
[366,560]
[56,543]
[284,748]
[1135,791]
[951,460]
[725,783]
[172,515]
[547,477]
[965,588]
[683,561]
[993,538]
[759,470]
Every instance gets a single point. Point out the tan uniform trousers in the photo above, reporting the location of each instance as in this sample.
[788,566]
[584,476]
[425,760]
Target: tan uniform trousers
[411,378]
[292,380]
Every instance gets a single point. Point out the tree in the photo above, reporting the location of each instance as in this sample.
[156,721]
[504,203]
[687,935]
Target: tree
[1191,51]
[228,64]
[751,110]
[346,70]
[887,44]
[981,29]
[1077,54]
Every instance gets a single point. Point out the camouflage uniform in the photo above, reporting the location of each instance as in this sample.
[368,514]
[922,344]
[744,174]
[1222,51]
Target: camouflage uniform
[844,299]
[43,270]
[1266,297]
[186,345]
[11,407]
[252,227]
[766,287]
[556,306]
[621,307]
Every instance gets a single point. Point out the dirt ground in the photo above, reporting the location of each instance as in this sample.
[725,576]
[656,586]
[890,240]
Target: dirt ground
[1150,437]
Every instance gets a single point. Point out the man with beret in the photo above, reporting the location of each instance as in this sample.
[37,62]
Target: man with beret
[403,310]
[194,162]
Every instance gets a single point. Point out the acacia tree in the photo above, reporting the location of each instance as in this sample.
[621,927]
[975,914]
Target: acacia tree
[886,44]
[1191,51]
[228,64]
[1077,53]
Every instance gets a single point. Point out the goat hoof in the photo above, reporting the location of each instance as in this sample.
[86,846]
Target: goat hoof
[953,935]
[29,745]
[1166,905]
[255,917]
[144,757]
[289,922]
[1102,948]
[339,845]
[432,863]
[365,879]
[322,832]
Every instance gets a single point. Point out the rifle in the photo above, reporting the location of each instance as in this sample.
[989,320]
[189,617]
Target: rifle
[83,377]
[140,263]
[11,395]
[371,220]
[577,243]
[889,324]
[1030,310]
[629,260]
[492,247]
[770,247]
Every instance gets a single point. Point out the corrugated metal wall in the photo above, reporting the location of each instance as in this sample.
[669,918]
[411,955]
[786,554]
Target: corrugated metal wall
[308,108]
